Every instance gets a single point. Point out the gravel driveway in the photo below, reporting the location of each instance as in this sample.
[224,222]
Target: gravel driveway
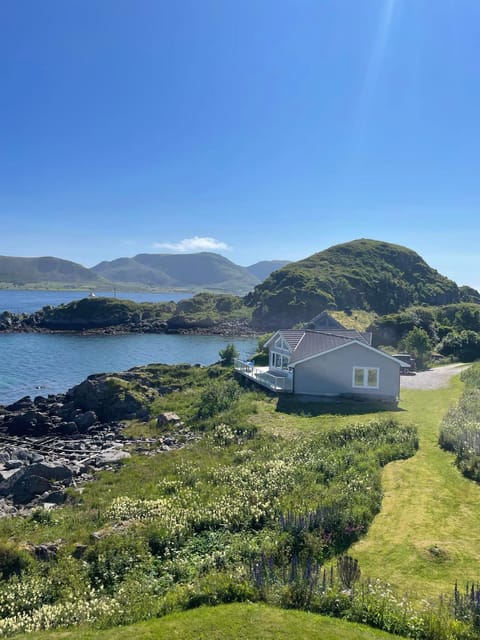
[432,379]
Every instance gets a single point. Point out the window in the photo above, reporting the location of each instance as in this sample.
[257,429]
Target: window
[279,361]
[366,377]
[281,343]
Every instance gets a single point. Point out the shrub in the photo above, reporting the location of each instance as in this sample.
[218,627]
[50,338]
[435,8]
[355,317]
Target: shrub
[418,342]
[228,355]
[111,559]
[460,429]
[218,397]
[13,560]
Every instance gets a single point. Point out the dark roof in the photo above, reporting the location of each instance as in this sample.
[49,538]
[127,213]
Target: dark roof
[305,344]
[292,337]
[315,343]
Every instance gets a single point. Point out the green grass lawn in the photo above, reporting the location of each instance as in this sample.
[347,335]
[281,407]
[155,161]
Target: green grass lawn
[427,534]
[228,622]
[425,537]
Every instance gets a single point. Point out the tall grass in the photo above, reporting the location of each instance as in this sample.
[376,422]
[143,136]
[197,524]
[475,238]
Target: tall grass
[460,430]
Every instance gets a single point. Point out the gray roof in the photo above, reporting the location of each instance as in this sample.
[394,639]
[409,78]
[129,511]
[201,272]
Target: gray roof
[292,337]
[305,344]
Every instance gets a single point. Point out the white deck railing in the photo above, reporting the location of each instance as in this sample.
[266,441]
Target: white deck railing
[265,377]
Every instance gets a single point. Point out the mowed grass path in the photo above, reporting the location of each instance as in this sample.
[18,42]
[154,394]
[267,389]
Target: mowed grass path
[427,534]
[228,622]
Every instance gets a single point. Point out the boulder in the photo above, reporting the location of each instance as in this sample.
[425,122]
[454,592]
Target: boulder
[56,497]
[167,419]
[14,464]
[79,551]
[65,428]
[50,470]
[31,422]
[47,551]
[24,404]
[110,397]
[111,457]
[26,488]
[86,420]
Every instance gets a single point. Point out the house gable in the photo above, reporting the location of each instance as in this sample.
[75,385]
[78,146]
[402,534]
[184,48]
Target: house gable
[354,369]
[324,322]
[281,345]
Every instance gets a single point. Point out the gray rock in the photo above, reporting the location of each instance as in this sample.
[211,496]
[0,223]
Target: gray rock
[167,419]
[28,487]
[14,464]
[24,404]
[50,470]
[111,457]
[56,497]
[85,420]
[47,551]
[79,551]
[66,428]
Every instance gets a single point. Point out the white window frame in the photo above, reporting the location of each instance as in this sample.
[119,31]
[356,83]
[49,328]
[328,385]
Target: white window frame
[365,384]
[281,343]
[281,359]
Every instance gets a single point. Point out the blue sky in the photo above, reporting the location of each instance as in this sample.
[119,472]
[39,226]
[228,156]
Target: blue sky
[261,129]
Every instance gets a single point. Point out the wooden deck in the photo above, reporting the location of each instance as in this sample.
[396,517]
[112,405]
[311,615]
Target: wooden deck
[264,376]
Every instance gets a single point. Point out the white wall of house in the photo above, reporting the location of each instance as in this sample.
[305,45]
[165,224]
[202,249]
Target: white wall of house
[334,373]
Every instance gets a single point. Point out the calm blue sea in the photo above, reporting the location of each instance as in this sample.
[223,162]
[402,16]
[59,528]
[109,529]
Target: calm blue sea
[39,364]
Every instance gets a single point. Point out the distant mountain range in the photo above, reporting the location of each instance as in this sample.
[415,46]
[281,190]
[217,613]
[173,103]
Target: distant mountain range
[189,272]
[48,270]
[369,275]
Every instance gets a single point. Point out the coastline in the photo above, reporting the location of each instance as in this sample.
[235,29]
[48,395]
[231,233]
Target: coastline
[238,330]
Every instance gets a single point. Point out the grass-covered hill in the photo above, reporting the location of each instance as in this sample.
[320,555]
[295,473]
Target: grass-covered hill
[362,274]
[220,312]
[46,271]
[95,313]
[182,271]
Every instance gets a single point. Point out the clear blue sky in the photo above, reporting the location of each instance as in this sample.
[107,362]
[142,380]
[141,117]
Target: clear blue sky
[259,128]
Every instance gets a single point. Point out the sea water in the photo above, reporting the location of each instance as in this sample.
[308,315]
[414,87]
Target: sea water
[41,364]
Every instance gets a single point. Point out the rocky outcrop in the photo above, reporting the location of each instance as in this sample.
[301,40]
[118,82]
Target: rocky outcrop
[109,398]
[49,444]
[205,313]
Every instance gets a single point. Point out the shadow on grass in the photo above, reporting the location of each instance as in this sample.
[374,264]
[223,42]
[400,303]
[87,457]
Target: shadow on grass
[305,405]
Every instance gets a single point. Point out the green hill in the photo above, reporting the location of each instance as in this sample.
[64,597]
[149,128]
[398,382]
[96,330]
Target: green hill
[362,274]
[46,270]
[182,271]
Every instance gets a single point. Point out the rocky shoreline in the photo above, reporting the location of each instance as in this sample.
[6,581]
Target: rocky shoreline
[33,323]
[51,444]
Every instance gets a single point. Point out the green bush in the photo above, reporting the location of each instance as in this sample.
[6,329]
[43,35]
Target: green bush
[228,355]
[460,428]
[112,558]
[218,397]
[13,561]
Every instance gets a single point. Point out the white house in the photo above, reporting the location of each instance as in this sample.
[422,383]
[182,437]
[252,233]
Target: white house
[327,362]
